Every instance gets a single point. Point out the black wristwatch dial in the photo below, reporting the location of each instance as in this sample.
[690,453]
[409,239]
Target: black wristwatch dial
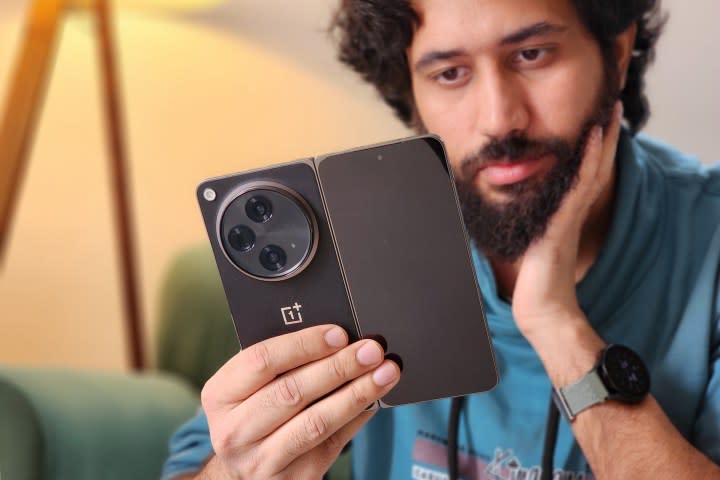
[624,374]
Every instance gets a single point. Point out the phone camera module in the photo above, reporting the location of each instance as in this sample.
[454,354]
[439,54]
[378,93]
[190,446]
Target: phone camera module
[272,250]
[241,238]
[273,258]
[259,209]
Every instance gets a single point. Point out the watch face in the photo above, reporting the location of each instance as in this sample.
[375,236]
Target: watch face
[626,376]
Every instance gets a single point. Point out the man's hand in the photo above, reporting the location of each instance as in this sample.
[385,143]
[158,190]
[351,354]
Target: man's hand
[545,286]
[285,407]
[618,440]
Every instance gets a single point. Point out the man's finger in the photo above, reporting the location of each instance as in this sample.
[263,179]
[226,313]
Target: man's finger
[317,423]
[257,365]
[591,160]
[324,455]
[595,169]
[287,395]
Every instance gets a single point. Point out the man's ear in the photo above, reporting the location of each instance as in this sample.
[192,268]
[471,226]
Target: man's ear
[624,43]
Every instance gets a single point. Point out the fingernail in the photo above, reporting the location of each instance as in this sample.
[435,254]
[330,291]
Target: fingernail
[385,374]
[380,339]
[335,337]
[369,354]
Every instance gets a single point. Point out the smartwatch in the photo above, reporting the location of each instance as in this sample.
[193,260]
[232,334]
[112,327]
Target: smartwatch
[619,374]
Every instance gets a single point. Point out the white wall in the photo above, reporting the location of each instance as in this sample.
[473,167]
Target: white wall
[684,84]
[252,83]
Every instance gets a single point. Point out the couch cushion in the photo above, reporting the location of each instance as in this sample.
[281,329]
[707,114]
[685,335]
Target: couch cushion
[21,443]
[77,425]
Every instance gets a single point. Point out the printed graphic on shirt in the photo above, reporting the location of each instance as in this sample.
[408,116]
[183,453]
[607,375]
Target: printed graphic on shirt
[430,463]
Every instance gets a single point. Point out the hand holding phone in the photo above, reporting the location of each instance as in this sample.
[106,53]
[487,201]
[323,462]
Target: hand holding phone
[371,240]
[289,404]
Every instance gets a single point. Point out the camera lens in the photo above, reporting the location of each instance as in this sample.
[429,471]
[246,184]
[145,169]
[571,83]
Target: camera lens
[258,209]
[273,258]
[241,238]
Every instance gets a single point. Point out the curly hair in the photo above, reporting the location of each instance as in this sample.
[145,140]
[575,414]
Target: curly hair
[373,36]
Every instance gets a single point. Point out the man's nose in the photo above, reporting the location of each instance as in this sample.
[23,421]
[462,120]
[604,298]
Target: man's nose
[502,108]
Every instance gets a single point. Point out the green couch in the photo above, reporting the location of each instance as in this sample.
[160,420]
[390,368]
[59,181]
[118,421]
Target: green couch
[62,424]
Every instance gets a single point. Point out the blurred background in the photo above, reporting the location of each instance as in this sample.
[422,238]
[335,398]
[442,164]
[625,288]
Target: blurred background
[212,87]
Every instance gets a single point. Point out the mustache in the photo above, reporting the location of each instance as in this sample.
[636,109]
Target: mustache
[514,148]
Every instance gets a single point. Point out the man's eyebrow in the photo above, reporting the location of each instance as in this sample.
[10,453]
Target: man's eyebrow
[535,30]
[436,55]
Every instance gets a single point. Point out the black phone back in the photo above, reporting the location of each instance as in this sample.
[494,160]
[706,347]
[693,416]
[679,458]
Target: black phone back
[391,260]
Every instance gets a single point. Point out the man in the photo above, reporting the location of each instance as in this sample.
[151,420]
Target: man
[584,235]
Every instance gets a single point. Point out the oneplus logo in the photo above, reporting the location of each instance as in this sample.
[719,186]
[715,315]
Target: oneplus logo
[292,315]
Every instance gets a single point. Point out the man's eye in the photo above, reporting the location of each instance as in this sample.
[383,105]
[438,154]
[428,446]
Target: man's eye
[531,55]
[451,76]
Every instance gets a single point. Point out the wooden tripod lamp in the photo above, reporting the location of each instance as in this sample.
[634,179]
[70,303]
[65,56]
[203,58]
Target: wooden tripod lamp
[28,85]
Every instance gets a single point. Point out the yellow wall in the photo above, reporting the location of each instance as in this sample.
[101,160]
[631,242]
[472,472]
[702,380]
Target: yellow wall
[200,102]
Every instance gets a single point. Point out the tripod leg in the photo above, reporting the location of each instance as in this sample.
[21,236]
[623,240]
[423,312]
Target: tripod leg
[27,91]
[119,179]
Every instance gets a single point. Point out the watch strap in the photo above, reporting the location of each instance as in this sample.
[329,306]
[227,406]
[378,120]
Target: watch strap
[583,394]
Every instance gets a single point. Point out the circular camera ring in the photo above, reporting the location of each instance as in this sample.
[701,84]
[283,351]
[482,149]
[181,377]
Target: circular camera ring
[292,195]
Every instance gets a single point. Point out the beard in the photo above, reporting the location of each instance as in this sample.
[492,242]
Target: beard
[505,230]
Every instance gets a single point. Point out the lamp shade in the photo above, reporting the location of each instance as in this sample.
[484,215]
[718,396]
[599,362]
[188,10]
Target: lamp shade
[170,4]
[158,5]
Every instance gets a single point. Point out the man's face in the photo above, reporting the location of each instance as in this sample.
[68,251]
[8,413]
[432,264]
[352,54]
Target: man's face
[512,87]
